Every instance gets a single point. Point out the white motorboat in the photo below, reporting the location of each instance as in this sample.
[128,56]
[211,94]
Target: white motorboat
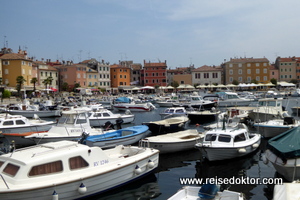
[228,142]
[275,127]
[283,152]
[174,142]
[167,102]
[70,126]
[125,103]
[68,170]
[197,193]
[124,136]
[267,109]
[196,101]
[173,111]
[14,127]
[100,117]
[227,99]
[31,110]
[167,125]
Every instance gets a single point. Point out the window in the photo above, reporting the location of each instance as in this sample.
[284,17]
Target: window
[210,137]
[224,138]
[6,71]
[240,71]
[265,78]
[240,79]
[5,62]
[78,75]
[258,78]
[18,122]
[23,71]
[248,65]
[265,64]
[90,76]
[257,71]
[120,75]
[265,71]
[48,168]
[11,169]
[240,137]
[77,163]
[240,65]
[8,123]
[257,64]
[231,72]
[230,65]
[248,71]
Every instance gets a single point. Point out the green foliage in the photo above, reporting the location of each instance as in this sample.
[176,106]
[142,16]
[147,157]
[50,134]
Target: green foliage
[65,86]
[6,94]
[175,84]
[254,81]
[235,82]
[273,81]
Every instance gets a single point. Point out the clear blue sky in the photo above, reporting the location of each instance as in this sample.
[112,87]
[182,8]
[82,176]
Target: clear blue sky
[183,32]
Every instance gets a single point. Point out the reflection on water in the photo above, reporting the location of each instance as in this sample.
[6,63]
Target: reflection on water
[141,189]
[236,168]
[178,159]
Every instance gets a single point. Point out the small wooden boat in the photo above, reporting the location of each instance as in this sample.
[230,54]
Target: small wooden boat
[228,142]
[174,142]
[167,125]
[124,136]
[205,192]
[68,170]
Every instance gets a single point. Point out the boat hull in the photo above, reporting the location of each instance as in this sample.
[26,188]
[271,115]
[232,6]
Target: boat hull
[271,131]
[198,117]
[109,177]
[101,122]
[30,114]
[165,147]
[162,128]
[234,103]
[132,108]
[287,169]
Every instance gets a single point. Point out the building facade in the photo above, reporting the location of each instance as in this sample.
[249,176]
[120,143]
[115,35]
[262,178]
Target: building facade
[288,68]
[207,75]
[245,70]
[154,74]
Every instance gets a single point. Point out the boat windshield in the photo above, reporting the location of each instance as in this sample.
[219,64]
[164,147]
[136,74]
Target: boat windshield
[224,138]
[210,137]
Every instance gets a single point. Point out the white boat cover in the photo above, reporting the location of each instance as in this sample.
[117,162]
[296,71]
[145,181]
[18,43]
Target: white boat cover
[287,191]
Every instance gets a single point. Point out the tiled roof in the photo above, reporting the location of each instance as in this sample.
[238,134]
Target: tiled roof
[290,59]
[14,56]
[206,68]
[247,60]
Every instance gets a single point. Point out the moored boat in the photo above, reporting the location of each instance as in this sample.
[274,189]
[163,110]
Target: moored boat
[68,170]
[100,117]
[228,142]
[174,142]
[283,152]
[167,125]
[124,136]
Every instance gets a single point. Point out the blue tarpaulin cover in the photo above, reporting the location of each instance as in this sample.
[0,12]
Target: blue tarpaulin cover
[123,99]
[287,144]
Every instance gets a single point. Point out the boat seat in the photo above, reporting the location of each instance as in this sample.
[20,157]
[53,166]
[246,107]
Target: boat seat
[124,133]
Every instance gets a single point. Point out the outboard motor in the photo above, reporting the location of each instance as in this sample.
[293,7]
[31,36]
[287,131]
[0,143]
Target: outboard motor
[119,121]
[108,125]
[84,135]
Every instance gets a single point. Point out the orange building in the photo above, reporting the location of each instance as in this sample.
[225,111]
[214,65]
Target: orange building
[120,76]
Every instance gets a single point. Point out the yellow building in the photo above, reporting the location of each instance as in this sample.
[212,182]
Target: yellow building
[14,65]
[244,70]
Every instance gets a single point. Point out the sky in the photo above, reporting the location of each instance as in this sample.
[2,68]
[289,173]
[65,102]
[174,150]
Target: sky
[180,32]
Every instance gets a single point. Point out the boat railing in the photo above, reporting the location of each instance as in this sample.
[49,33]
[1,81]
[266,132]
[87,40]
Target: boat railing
[4,181]
[144,143]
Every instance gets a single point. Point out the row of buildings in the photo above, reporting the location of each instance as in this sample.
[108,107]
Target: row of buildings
[126,74]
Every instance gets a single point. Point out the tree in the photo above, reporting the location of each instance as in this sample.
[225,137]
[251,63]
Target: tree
[273,81]
[65,86]
[254,81]
[34,81]
[235,82]
[295,81]
[174,84]
[76,85]
[20,81]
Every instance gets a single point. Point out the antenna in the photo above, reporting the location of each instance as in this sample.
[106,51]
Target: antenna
[4,40]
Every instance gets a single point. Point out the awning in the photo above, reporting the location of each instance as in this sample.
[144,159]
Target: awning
[286,84]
